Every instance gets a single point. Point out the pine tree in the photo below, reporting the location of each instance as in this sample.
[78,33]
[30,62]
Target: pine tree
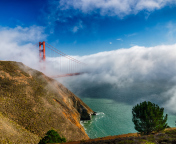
[148,117]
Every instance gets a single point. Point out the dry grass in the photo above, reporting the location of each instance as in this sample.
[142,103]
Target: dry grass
[10,132]
[26,98]
[168,136]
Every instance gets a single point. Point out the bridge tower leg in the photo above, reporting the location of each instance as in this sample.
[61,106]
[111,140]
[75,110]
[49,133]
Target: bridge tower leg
[40,53]
[42,50]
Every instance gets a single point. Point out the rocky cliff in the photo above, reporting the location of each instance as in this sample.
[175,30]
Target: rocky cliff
[32,103]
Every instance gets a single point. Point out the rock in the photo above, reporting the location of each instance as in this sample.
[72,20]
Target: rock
[94,113]
[85,115]
[82,108]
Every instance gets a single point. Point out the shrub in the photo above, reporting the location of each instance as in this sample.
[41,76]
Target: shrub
[52,137]
[148,117]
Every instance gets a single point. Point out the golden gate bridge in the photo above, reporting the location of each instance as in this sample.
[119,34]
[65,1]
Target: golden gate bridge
[72,66]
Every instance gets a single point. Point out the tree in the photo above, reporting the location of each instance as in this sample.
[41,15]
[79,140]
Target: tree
[148,117]
[52,137]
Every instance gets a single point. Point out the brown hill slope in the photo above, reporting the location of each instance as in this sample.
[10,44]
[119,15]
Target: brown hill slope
[167,136]
[32,103]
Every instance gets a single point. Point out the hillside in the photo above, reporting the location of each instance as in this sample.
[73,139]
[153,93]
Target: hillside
[32,103]
[167,136]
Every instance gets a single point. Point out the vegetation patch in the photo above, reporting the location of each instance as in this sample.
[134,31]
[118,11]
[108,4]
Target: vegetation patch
[10,67]
[52,137]
[148,117]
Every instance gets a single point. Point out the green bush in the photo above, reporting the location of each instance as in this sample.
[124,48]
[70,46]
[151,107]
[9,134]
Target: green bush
[148,117]
[52,137]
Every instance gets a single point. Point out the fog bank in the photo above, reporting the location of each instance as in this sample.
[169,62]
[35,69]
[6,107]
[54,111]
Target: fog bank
[124,75]
[129,76]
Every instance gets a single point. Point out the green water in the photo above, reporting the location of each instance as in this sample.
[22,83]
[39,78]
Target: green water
[113,118]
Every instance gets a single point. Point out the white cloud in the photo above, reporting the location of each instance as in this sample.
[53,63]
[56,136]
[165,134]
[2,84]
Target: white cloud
[129,75]
[113,7]
[110,42]
[17,44]
[77,27]
[73,11]
[20,34]
[171,35]
[130,35]
[119,39]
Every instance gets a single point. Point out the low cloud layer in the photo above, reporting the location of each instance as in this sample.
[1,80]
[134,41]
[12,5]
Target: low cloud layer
[129,75]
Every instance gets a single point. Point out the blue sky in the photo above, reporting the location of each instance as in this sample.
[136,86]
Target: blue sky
[127,45]
[83,27]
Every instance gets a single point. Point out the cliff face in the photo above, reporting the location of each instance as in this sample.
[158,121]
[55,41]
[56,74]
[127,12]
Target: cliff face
[32,103]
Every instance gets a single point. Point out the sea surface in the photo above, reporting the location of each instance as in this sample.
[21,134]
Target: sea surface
[112,118]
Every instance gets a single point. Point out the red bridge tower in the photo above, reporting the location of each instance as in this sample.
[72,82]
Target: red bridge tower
[42,50]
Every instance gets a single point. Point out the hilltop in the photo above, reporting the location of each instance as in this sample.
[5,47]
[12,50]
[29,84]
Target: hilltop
[32,103]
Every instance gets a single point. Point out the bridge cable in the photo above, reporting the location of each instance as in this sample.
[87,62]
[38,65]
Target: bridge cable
[69,57]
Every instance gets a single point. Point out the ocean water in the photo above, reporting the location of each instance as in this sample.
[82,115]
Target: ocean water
[112,118]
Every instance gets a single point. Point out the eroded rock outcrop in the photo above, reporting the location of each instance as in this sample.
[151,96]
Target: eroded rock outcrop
[85,112]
